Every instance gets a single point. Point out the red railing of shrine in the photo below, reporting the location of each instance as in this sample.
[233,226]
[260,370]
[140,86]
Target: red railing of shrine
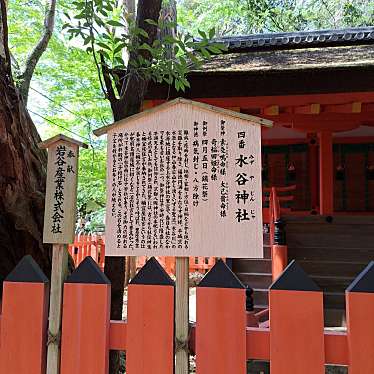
[94,246]
[277,231]
[294,342]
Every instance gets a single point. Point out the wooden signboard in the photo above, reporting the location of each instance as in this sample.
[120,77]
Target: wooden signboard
[61,191]
[59,224]
[184,179]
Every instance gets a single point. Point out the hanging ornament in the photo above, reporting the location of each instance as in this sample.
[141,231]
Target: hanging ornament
[291,171]
[370,172]
[340,172]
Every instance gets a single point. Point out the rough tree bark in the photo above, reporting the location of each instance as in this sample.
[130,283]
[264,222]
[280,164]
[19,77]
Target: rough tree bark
[33,58]
[134,89]
[22,172]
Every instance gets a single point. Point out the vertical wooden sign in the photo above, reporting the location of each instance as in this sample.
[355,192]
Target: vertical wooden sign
[184,179]
[59,224]
[61,191]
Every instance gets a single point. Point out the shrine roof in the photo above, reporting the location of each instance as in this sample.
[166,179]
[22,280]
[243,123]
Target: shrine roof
[293,59]
[168,104]
[299,39]
[283,63]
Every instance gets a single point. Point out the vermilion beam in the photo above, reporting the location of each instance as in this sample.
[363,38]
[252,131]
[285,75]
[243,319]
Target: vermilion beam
[285,100]
[336,346]
[326,192]
[118,335]
[313,173]
[24,320]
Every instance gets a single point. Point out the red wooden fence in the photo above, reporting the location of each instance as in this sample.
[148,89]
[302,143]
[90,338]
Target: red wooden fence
[94,246]
[295,342]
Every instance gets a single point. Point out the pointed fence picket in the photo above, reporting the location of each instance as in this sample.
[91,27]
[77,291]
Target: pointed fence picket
[295,342]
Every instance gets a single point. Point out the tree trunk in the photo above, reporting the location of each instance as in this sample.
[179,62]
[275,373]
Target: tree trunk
[22,174]
[128,105]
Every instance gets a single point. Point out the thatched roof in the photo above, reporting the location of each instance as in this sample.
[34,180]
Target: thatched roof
[284,63]
[294,59]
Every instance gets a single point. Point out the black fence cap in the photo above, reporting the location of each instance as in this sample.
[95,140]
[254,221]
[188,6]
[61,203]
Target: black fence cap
[294,278]
[364,281]
[221,276]
[88,272]
[152,273]
[27,270]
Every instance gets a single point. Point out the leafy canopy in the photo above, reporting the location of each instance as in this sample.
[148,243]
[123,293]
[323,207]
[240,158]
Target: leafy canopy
[109,33]
[234,17]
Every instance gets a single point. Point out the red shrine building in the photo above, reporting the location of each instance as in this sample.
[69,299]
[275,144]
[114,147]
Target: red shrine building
[318,89]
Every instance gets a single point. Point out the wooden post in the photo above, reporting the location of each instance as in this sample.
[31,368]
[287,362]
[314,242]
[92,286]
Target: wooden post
[296,324]
[221,323]
[58,275]
[24,320]
[360,322]
[59,225]
[150,317]
[279,257]
[182,356]
[326,178]
[86,321]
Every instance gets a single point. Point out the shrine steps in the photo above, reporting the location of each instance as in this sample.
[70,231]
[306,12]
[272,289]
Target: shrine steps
[332,251]
[257,274]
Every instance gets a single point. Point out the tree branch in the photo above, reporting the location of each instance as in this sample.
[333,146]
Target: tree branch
[4,47]
[39,49]
[107,80]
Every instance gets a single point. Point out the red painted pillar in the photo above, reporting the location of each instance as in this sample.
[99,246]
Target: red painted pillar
[221,323]
[326,175]
[279,260]
[24,320]
[86,321]
[360,322]
[313,172]
[296,324]
[150,321]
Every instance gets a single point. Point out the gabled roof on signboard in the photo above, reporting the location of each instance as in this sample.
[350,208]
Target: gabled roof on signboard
[60,137]
[257,120]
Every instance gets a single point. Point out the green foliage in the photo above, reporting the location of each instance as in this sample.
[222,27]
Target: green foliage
[233,17]
[108,33]
[73,102]
[65,92]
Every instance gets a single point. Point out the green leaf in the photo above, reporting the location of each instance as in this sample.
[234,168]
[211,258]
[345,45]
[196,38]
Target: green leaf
[151,22]
[103,45]
[205,53]
[139,31]
[119,48]
[212,32]
[115,23]
[214,49]
[202,34]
